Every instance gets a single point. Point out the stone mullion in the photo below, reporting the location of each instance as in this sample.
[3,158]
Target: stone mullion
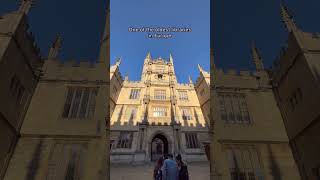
[80,102]
[89,103]
[45,153]
[72,102]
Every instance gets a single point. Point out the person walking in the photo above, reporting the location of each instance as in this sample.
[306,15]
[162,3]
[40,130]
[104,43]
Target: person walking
[169,169]
[157,173]
[183,173]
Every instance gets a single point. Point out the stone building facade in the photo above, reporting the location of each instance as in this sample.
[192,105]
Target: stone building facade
[296,79]
[64,134]
[156,115]
[249,137]
[20,63]
[76,111]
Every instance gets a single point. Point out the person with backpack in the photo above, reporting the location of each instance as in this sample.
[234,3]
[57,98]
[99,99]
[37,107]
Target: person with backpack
[169,168]
[157,173]
[183,173]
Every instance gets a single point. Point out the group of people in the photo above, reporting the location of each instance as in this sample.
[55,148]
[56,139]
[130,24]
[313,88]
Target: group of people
[168,169]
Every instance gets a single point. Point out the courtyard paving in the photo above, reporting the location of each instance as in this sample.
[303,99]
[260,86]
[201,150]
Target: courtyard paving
[197,170]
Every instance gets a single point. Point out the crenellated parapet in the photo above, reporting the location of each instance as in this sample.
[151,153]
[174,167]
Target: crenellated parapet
[133,84]
[74,70]
[185,86]
[232,78]
[234,72]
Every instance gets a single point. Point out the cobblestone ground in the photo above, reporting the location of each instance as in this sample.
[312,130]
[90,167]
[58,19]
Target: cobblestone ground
[197,171]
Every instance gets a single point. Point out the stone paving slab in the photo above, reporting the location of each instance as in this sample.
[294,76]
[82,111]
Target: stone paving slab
[197,170]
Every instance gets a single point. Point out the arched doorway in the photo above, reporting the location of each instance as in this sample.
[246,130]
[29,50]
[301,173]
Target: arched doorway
[159,147]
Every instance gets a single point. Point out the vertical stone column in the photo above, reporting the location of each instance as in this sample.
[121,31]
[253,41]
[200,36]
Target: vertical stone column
[146,99]
[173,104]
[47,146]
[145,122]
[141,137]
[176,135]
[218,165]
[142,132]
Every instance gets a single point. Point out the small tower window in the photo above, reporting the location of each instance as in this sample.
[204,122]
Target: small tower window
[160,76]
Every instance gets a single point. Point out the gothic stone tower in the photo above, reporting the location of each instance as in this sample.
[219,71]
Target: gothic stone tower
[63,135]
[157,115]
[20,62]
[296,78]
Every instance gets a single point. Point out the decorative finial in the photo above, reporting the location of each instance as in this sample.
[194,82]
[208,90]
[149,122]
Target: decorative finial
[200,68]
[56,46]
[25,6]
[190,80]
[58,42]
[119,61]
[126,78]
[171,58]
[148,58]
[257,59]
[287,19]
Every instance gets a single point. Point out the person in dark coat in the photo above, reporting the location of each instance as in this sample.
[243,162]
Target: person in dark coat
[157,173]
[183,173]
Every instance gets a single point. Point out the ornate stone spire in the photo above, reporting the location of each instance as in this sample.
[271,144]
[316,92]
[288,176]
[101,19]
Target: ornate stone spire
[107,24]
[257,59]
[190,80]
[118,61]
[126,78]
[104,55]
[25,6]
[171,58]
[200,68]
[56,46]
[287,19]
[148,58]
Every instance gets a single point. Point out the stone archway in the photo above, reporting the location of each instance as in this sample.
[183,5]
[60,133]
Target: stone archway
[159,146]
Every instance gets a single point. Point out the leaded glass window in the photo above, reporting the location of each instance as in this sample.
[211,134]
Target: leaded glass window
[80,102]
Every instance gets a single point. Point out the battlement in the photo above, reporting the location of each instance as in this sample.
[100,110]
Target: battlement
[74,63]
[75,70]
[159,60]
[133,84]
[234,72]
[184,86]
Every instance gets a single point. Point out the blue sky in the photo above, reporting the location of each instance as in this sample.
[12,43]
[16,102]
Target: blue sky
[80,23]
[237,23]
[188,49]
